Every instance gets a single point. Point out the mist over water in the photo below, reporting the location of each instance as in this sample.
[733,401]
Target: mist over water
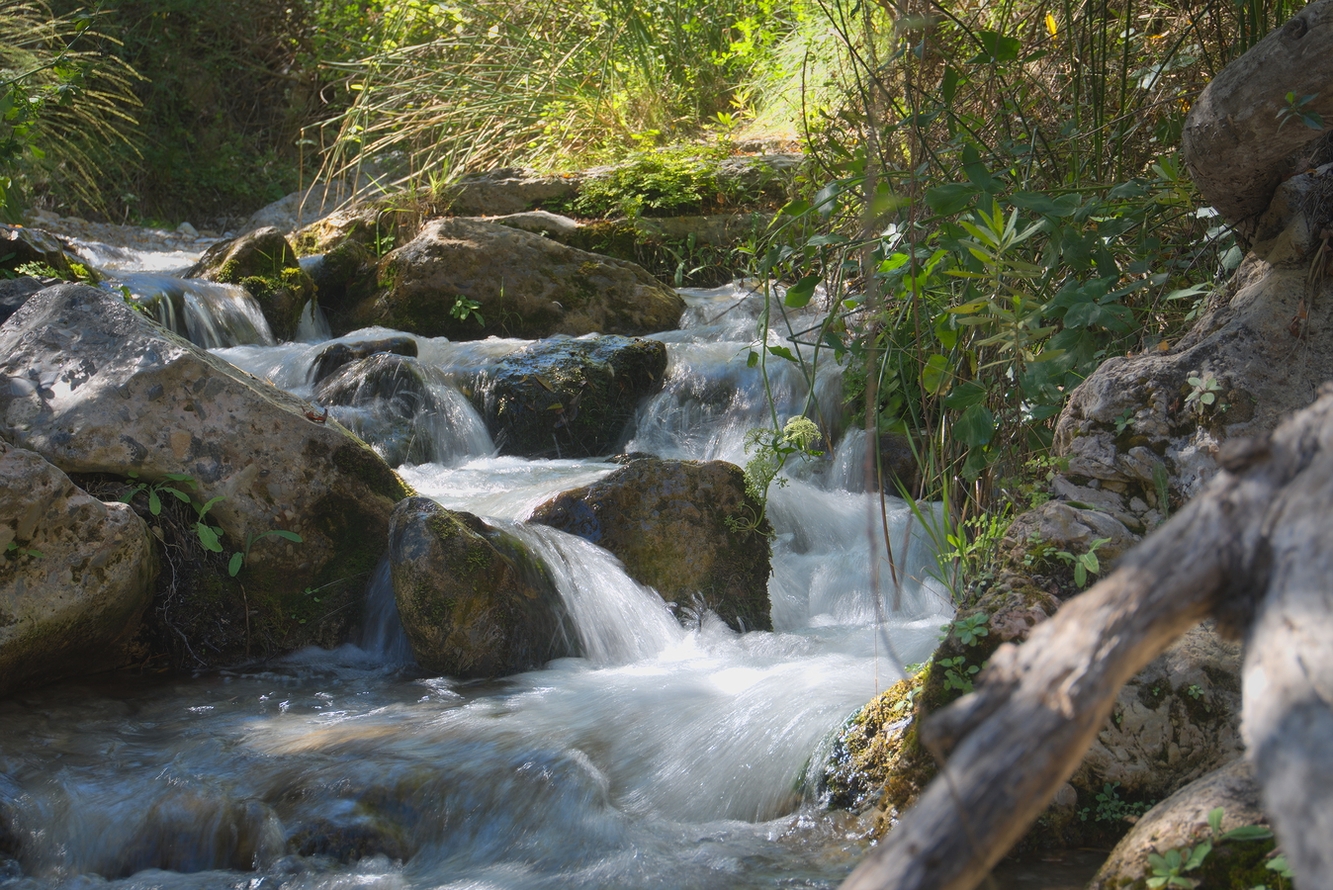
[675,754]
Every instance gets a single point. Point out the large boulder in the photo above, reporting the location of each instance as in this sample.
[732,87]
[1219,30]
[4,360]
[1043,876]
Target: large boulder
[264,264]
[1256,354]
[510,190]
[344,276]
[14,292]
[685,528]
[570,398]
[1181,823]
[75,575]
[96,387]
[20,245]
[522,285]
[473,601]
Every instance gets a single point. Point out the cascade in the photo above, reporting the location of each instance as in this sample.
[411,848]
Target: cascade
[674,754]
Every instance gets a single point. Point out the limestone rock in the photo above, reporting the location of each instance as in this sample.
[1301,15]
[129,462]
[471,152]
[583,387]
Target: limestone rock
[343,276]
[525,286]
[1035,537]
[510,190]
[265,265]
[667,522]
[1176,720]
[473,602]
[1258,352]
[75,575]
[95,387]
[570,398]
[1182,821]
[19,245]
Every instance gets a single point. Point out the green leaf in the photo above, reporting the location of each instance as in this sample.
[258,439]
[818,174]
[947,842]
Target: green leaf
[996,48]
[1247,833]
[975,426]
[799,294]
[950,198]
[177,494]
[154,502]
[965,395]
[234,564]
[208,537]
[752,361]
[209,504]
[949,85]
[1065,205]
[782,352]
[795,208]
[286,535]
[935,376]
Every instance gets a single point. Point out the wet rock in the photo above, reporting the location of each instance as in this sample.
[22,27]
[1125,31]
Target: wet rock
[1182,821]
[682,527]
[20,245]
[570,398]
[14,292]
[75,575]
[876,761]
[523,285]
[96,387]
[473,601]
[343,277]
[510,190]
[349,842]
[333,357]
[265,265]
[190,830]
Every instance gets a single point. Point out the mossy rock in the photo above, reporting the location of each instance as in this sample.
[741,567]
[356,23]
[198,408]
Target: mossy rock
[473,601]
[685,528]
[344,276]
[570,398]
[266,266]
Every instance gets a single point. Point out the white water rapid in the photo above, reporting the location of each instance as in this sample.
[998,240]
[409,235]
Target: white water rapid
[676,754]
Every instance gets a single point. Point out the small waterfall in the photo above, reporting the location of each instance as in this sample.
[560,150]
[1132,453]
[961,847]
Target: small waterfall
[382,636]
[617,620]
[206,313]
[313,326]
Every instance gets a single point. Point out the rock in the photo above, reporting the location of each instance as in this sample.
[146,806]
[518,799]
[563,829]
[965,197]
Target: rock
[333,357]
[265,265]
[194,829]
[372,224]
[1182,821]
[473,602]
[667,521]
[510,190]
[1176,720]
[524,285]
[14,292]
[185,230]
[541,222]
[301,208]
[570,398]
[96,387]
[19,245]
[1035,537]
[75,575]
[876,760]
[1257,351]
[343,277]
[403,409]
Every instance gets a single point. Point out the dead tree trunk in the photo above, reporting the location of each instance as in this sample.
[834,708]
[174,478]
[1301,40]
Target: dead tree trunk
[1240,139]
[1259,533]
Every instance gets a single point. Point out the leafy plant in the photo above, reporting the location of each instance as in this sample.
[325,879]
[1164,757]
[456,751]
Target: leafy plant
[772,449]
[239,558]
[958,673]
[1084,563]
[463,309]
[1110,807]
[970,630]
[1295,110]
[1204,390]
[15,550]
[1169,869]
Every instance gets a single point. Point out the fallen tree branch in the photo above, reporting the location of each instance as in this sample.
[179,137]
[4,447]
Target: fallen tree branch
[1024,731]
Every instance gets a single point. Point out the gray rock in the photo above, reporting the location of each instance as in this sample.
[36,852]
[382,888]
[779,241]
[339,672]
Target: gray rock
[526,286]
[1182,821]
[14,292]
[75,575]
[19,245]
[667,521]
[473,601]
[510,190]
[333,357]
[571,398]
[96,387]
[289,213]
[1176,720]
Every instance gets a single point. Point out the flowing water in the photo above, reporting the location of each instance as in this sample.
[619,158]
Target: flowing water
[676,754]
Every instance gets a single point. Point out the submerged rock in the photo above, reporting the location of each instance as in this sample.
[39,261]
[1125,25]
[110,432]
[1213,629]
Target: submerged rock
[473,601]
[265,265]
[571,398]
[333,357]
[686,528]
[96,387]
[75,575]
[522,285]
[1181,821]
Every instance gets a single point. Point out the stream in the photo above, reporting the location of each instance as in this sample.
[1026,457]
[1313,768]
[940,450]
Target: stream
[676,754]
